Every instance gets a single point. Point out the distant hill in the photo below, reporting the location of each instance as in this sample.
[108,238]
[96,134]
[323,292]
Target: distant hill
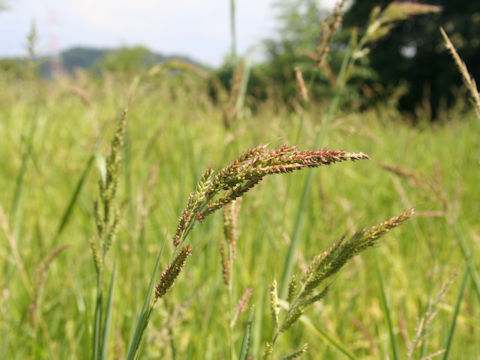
[87,58]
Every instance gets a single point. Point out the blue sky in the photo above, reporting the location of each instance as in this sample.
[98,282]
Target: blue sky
[195,28]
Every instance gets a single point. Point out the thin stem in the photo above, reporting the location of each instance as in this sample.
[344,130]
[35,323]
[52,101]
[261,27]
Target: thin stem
[233,30]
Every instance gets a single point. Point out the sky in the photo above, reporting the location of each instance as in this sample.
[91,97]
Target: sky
[199,29]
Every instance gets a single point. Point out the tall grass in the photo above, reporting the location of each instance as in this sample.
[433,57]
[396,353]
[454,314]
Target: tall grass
[371,309]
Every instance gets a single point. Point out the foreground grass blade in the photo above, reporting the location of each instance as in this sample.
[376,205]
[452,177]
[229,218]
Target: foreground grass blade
[108,314]
[386,308]
[97,326]
[468,259]
[147,308]
[73,200]
[21,174]
[451,331]
[246,336]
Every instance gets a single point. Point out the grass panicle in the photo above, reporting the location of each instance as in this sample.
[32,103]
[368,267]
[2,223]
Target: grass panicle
[107,217]
[215,191]
[467,78]
[324,266]
[274,306]
[382,22]
[106,213]
[242,304]
[329,27]
[296,354]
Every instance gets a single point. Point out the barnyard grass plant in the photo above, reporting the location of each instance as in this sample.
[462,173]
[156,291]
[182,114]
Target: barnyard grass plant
[225,189]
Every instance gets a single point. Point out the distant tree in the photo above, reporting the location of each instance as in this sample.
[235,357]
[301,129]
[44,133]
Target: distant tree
[414,53]
[298,30]
[12,67]
[126,60]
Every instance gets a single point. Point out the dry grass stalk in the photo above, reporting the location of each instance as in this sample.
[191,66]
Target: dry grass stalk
[81,94]
[329,26]
[301,84]
[41,275]
[467,79]
[176,65]
[13,247]
[426,320]
[230,108]
[371,341]
[410,175]
[432,185]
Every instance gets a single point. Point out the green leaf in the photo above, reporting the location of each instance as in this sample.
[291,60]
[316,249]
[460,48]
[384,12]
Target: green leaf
[147,308]
[246,336]
[108,314]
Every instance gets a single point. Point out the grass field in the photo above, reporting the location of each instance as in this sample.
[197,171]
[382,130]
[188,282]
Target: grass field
[54,135]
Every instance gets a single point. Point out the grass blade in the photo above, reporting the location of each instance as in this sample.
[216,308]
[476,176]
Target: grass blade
[246,336]
[468,259]
[73,200]
[97,326]
[144,316]
[451,331]
[386,308]
[21,174]
[108,314]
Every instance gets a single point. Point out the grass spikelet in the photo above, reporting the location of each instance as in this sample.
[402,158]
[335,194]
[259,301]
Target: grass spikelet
[467,78]
[230,216]
[292,288]
[274,307]
[291,317]
[228,250]
[296,354]
[226,265]
[172,271]
[243,302]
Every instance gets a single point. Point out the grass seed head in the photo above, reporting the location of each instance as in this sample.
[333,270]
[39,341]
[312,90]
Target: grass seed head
[172,271]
